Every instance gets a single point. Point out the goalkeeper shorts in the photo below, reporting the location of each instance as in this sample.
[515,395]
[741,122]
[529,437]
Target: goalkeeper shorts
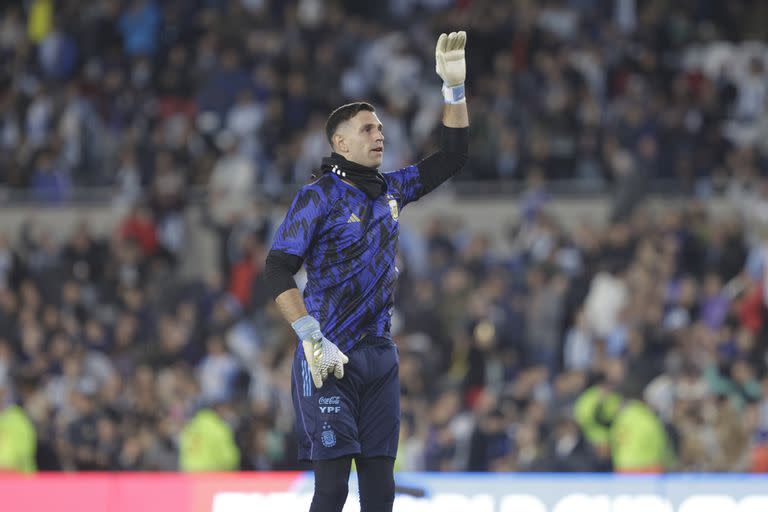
[356,415]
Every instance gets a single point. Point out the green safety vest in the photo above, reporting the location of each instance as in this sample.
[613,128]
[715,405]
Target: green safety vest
[638,439]
[584,411]
[18,441]
[208,444]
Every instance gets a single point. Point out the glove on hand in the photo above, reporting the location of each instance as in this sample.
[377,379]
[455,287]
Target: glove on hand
[450,63]
[323,357]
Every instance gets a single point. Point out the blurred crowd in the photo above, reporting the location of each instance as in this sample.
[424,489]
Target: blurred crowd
[640,345]
[588,348]
[151,97]
[564,347]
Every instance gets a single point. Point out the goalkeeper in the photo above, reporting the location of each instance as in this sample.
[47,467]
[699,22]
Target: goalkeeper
[344,227]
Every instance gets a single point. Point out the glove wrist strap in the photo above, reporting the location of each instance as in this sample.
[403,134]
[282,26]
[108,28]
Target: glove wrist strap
[454,95]
[307,328]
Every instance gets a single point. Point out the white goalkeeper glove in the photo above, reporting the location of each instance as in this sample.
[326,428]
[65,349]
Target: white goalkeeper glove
[451,65]
[323,357]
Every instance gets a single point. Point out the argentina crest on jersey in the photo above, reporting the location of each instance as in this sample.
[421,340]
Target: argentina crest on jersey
[393,206]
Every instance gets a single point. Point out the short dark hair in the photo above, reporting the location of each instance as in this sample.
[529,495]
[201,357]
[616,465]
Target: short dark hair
[344,113]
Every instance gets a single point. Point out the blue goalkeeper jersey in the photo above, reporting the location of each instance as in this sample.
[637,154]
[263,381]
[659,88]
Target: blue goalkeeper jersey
[348,243]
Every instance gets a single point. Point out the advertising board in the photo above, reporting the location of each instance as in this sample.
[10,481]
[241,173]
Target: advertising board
[445,492]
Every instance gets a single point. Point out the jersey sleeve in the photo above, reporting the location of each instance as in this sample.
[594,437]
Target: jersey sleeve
[406,183]
[302,222]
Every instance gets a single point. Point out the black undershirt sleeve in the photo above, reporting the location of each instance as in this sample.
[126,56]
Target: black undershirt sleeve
[279,271]
[447,161]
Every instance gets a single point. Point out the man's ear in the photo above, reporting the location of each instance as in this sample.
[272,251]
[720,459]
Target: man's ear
[339,144]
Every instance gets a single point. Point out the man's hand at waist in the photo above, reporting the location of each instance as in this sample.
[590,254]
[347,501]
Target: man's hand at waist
[323,357]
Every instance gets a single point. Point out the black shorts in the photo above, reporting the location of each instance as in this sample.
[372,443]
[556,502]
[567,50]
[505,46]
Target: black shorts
[356,415]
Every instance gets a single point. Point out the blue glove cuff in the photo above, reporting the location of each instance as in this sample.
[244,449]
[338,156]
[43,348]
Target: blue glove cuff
[306,327]
[454,95]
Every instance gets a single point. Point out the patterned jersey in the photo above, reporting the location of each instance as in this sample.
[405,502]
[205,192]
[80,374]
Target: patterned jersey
[348,243]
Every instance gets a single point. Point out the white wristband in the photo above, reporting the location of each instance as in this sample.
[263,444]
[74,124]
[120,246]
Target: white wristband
[307,328]
[454,95]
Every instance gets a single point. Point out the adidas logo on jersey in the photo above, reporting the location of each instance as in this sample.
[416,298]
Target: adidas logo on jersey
[353,218]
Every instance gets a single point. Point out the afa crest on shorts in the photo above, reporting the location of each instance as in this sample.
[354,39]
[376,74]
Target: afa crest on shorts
[328,437]
[393,206]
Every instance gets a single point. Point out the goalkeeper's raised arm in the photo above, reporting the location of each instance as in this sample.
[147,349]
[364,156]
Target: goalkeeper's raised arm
[450,64]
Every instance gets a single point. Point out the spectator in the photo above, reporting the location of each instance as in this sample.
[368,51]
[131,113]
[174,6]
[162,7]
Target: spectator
[12,267]
[597,397]
[139,27]
[639,441]
[207,443]
[232,183]
[17,436]
[568,451]
[41,17]
[49,182]
[139,227]
[544,317]
[79,442]
[217,371]
[579,351]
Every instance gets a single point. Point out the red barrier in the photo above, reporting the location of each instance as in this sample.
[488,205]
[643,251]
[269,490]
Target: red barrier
[130,492]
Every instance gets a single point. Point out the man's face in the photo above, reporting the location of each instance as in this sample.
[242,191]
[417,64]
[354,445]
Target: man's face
[361,139]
